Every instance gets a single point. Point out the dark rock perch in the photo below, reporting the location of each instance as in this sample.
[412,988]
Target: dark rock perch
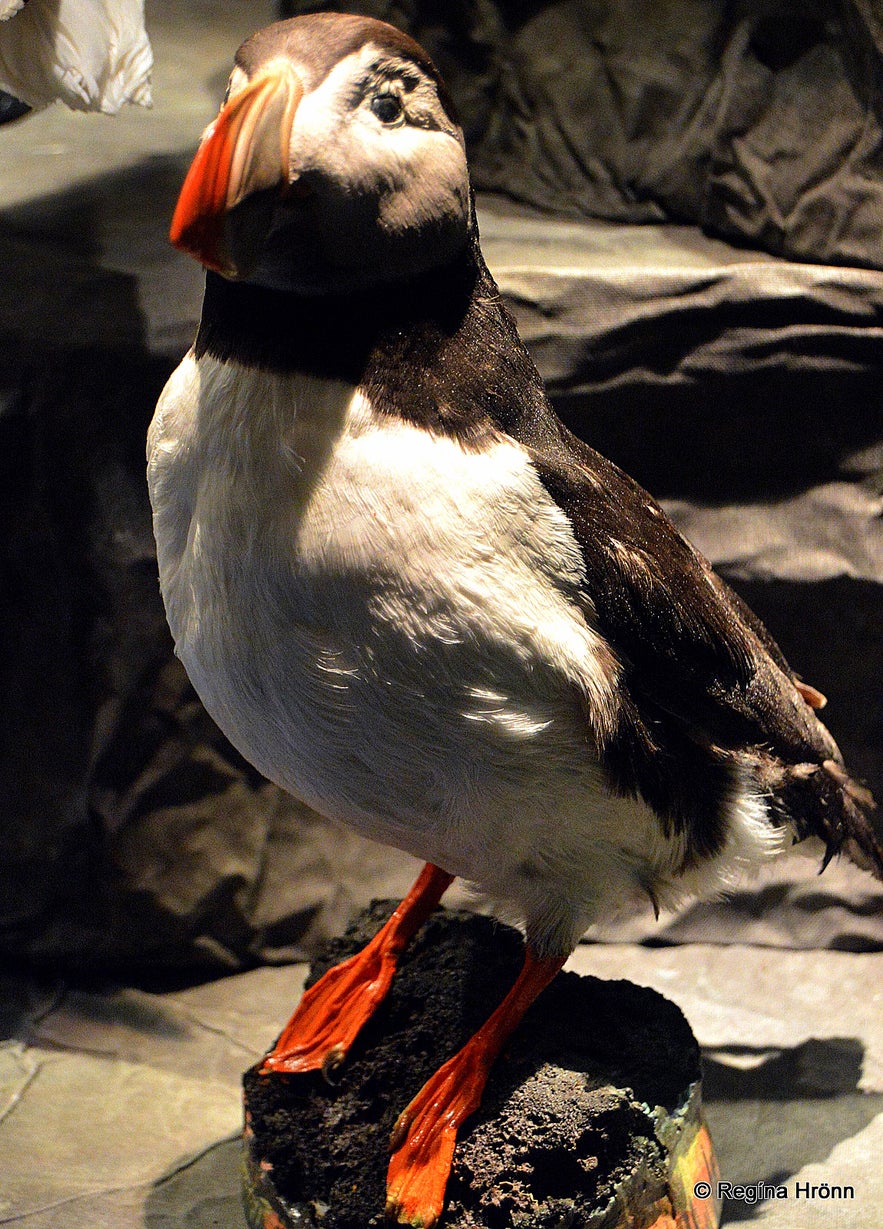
[591,1117]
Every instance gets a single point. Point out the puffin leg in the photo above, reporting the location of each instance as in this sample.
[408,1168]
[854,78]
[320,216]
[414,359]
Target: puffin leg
[424,1136]
[331,1013]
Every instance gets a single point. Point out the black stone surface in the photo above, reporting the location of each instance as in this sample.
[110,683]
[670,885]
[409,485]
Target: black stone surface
[565,1117]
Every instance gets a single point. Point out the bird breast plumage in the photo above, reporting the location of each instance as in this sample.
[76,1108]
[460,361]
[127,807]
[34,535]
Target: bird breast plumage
[388,624]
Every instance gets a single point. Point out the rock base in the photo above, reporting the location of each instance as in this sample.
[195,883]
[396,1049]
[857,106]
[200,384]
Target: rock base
[590,1120]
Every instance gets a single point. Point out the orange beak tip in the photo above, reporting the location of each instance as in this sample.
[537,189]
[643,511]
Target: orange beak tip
[197,223]
[234,161]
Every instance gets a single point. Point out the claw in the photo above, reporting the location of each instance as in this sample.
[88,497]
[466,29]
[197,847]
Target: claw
[399,1131]
[331,1014]
[331,1062]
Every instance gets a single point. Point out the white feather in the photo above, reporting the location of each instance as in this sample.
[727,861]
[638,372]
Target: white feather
[388,625]
[92,55]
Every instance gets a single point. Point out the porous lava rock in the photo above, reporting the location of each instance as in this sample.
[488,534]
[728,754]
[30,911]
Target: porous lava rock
[572,1129]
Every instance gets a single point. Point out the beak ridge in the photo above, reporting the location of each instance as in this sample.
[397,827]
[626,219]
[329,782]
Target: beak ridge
[243,151]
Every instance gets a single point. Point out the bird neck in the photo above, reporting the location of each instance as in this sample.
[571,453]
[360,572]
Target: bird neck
[439,350]
[329,334]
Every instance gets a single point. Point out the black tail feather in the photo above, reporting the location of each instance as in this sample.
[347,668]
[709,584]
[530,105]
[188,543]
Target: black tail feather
[822,800]
[852,832]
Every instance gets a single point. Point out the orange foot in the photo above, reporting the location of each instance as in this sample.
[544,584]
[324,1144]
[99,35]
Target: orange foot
[424,1137]
[331,1013]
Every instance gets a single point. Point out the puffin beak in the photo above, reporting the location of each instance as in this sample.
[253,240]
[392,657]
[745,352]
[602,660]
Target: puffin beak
[243,152]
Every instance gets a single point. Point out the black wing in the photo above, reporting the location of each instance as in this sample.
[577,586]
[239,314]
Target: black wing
[707,697]
[692,648]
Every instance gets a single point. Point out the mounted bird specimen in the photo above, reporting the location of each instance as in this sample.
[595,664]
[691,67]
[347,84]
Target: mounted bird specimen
[411,597]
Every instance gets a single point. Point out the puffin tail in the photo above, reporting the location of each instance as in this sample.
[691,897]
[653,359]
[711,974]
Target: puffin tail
[851,832]
[822,800]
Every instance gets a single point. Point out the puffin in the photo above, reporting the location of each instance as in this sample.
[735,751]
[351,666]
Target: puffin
[412,598]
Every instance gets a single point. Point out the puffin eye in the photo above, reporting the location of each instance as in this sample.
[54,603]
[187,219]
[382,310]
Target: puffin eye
[387,108]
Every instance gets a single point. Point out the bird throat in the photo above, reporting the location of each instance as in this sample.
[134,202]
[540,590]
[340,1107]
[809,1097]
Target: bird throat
[329,334]
[438,350]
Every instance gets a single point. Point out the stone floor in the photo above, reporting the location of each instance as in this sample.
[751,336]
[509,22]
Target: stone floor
[121,1107]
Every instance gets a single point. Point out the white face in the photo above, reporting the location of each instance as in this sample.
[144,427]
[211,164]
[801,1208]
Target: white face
[379,184]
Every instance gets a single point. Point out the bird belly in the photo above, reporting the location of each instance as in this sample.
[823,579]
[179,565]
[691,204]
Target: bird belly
[387,624]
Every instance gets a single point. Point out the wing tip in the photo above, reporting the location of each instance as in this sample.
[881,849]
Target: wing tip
[852,832]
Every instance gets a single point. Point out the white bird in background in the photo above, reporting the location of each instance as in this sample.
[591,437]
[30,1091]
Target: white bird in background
[92,55]
[410,596]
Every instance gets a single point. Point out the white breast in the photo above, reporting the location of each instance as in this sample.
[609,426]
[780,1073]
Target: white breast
[387,625]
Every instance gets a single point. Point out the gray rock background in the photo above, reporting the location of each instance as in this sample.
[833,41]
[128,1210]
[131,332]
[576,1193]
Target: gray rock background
[758,121]
[123,1107]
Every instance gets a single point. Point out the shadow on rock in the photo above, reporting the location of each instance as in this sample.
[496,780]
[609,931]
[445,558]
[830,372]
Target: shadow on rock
[773,1111]
[201,1193]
